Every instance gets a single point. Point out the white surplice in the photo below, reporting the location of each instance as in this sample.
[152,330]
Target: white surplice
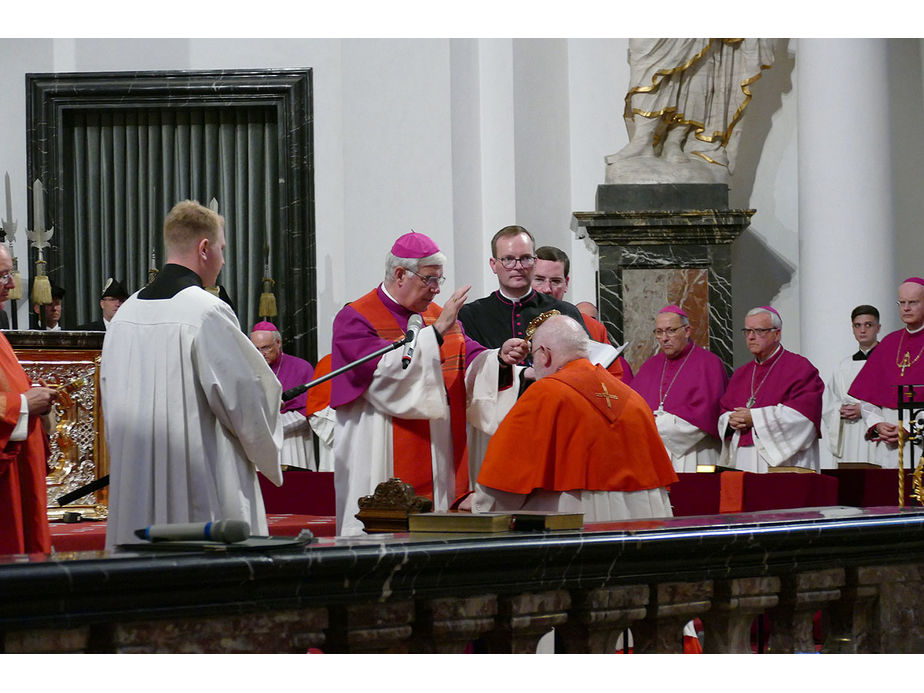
[597,506]
[846,437]
[687,445]
[885,455]
[782,436]
[323,423]
[192,413]
[363,453]
[298,441]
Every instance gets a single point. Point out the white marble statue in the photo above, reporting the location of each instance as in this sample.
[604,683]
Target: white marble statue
[686,96]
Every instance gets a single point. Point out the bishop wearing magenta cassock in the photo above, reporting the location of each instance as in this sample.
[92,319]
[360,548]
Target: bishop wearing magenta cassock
[682,384]
[406,422]
[771,411]
[896,361]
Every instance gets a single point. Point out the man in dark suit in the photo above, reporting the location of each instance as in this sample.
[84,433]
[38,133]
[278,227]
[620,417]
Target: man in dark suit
[113,295]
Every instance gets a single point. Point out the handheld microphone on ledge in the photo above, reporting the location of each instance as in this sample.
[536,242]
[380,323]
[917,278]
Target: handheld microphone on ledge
[414,325]
[226,531]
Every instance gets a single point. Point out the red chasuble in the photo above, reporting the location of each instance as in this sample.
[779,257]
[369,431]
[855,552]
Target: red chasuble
[579,429]
[23,520]
[411,437]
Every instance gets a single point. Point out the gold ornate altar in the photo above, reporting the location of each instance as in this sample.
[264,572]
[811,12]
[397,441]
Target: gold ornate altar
[70,360]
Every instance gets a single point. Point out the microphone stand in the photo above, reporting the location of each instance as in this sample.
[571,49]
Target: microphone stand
[299,389]
[292,393]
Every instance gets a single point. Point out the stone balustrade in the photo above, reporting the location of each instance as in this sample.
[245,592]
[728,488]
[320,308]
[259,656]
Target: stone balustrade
[862,569]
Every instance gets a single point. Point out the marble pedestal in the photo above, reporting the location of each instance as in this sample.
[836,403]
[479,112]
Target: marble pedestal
[661,244]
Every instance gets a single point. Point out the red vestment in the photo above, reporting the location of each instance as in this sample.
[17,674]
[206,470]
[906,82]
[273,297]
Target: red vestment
[569,432]
[23,520]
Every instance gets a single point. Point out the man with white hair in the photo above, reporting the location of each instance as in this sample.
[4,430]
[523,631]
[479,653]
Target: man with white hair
[771,411]
[896,361]
[298,443]
[400,418]
[578,440]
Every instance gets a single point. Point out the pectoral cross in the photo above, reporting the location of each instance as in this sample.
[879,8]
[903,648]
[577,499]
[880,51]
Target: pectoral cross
[750,402]
[905,363]
[606,395]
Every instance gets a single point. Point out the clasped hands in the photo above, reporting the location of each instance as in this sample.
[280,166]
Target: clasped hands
[740,419]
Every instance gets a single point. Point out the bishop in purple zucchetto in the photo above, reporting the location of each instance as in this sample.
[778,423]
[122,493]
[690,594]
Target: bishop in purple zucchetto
[414,245]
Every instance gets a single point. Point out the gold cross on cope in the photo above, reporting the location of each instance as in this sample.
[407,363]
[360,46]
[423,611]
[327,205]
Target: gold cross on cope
[606,395]
[905,363]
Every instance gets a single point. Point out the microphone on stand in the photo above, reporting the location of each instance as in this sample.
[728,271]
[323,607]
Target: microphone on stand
[227,531]
[414,325]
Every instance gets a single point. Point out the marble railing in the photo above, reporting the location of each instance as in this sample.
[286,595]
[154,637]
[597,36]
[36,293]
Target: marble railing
[862,569]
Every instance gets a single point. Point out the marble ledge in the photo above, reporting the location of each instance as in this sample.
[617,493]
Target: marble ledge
[43,591]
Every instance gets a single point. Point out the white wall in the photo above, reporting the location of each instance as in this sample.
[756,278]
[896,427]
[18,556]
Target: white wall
[456,138]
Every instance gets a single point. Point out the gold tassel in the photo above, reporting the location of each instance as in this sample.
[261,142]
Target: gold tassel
[15,293]
[41,290]
[267,299]
[267,305]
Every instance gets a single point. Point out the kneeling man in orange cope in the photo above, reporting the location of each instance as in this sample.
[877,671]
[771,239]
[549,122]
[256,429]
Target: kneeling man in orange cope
[578,440]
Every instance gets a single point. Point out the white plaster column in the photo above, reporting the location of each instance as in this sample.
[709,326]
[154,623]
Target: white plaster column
[846,217]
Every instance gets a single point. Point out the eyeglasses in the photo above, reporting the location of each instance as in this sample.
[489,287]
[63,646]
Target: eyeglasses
[551,281]
[669,331]
[432,282]
[529,358]
[5,278]
[909,304]
[759,331]
[511,262]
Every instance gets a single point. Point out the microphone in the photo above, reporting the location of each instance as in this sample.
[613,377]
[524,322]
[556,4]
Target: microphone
[414,326]
[294,392]
[227,531]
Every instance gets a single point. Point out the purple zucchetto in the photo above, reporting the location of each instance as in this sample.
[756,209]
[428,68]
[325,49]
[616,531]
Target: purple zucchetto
[674,309]
[264,326]
[772,310]
[914,280]
[414,246]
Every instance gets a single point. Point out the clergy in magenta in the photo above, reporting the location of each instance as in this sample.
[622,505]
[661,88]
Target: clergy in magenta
[896,361]
[409,423]
[291,371]
[771,411]
[578,440]
[682,384]
[841,413]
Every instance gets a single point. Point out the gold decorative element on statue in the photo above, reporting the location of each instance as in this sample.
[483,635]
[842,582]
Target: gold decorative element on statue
[535,322]
[606,396]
